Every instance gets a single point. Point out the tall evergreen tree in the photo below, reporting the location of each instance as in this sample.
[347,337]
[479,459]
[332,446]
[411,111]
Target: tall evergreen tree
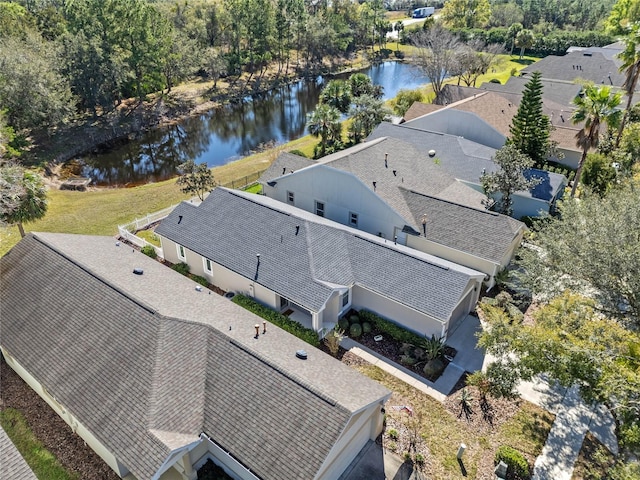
[530,127]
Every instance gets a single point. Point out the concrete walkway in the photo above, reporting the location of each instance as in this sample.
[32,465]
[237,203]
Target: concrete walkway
[573,420]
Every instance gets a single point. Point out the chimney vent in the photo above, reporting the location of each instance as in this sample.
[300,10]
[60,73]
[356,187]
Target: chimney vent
[432,153]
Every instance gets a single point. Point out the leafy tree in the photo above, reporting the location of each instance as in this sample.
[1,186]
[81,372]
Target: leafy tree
[398,27]
[572,344]
[473,62]
[530,127]
[195,179]
[524,39]
[509,178]
[366,114]
[32,91]
[506,14]
[629,150]
[404,99]
[437,49]
[598,173]
[466,13]
[23,197]
[324,122]
[7,137]
[592,246]
[597,106]
[623,14]
[15,20]
[337,94]
[630,57]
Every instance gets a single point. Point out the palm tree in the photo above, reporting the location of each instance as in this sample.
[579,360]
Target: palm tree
[337,94]
[23,196]
[398,27]
[630,57]
[324,122]
[595,107]
[525,39]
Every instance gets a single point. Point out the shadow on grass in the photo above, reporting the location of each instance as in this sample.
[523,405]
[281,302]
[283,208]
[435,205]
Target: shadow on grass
[523,61]
[536,428]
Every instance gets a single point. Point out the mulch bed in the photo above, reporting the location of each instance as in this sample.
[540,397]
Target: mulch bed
[50,429]
[391,349]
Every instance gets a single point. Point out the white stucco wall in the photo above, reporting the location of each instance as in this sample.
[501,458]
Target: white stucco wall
[342,193]
[222,277]
[571,158]
[402,315]
[106,455]
[364,426]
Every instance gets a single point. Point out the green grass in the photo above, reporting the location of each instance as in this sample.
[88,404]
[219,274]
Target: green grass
[41,461]
[149,236]
[443,432]
[255,188]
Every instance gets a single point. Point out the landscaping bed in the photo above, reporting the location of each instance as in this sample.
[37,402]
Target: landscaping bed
[400,345]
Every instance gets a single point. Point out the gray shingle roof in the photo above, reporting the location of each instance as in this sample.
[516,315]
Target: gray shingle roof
[144,383]
[12,464]
[413,167]
[482,233]
[285,163]
[231,227]
[461,158]
[591,66]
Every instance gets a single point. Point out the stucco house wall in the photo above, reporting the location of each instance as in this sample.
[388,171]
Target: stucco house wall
[221,277]
[73,422]
[342,194]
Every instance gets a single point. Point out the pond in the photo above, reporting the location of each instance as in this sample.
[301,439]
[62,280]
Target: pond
[227,133]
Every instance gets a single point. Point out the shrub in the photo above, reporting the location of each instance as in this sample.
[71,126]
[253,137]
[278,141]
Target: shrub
[503,299]
[392,446]
[366,327]
[343,323]
[495,80]
[433,368]
[419,458]
[399,54]
[354,319]
[300,153]
[333,340]
[433,347]
[149,251]
[408,360]
[201,280]
[518,465]
[389,328]
[393,433]
[515,314]
[181,268]
[291,326]
[404,99]
[355,330]
[406,456]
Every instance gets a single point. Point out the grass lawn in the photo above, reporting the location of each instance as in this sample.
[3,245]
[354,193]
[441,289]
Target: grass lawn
[525,429]
[593,461]
[41,461]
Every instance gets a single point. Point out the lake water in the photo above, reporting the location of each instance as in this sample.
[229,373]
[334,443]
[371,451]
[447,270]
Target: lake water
[227,133]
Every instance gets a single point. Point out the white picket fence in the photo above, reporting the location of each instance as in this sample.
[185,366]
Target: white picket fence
[128,231]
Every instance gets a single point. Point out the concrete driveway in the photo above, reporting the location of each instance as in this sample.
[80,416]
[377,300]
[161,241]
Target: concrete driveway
[374,464]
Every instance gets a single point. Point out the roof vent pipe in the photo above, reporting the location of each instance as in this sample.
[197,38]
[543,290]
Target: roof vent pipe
[395,173]
[297,229]
[386,156]
[374,186]
[432,153]
[284,170]
[179,219]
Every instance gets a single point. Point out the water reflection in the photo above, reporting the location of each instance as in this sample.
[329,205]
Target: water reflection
[227,133]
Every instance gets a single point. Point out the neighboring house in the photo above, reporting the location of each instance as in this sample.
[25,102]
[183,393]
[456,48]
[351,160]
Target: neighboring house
[12,464]
[312,268]
[158,375]
[486,117]
[472,237]
[597,65]
[466,161]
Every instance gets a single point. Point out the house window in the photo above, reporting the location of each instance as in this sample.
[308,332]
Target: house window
[344,299]
[208,266]
[290,198]
[320,209]
[182,253]
[353,219]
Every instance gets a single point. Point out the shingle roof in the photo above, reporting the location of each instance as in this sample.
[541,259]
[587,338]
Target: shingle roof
[413,167]
[592,66]
[464,159]
[556,91]
[482,233]
[12,464]
[418,109]
[231,227]
[283,164]
[144,382]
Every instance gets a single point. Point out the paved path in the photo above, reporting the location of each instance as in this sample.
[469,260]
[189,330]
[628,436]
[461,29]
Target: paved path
[573,420]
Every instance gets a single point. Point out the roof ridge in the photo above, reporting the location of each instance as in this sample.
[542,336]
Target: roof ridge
[135,300]
[489,212]
[384,245]
[294,378]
